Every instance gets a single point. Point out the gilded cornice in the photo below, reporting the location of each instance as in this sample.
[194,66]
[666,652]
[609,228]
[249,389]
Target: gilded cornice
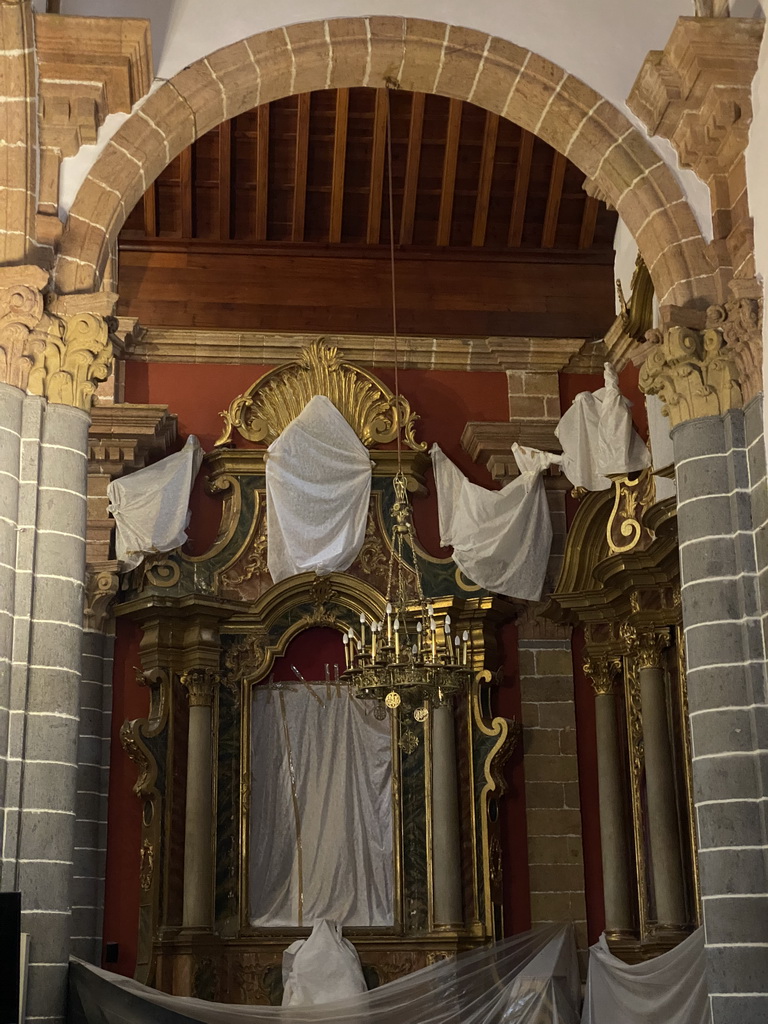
[694,373]
[21,310]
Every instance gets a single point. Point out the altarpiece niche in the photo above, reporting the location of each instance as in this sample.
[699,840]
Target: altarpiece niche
[305,802]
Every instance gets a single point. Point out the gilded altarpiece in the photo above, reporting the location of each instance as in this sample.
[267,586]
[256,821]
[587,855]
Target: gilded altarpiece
[221,614]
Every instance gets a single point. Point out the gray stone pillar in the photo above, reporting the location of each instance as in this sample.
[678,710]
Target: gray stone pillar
[198,842]
[723,532]
[446,854]
[613,823]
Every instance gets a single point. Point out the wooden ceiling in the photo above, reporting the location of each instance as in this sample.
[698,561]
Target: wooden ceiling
[307,177]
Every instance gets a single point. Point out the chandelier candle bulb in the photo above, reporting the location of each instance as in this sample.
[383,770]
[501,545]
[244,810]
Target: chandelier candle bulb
[345,639]
[465,638]
[362,631]
[389,623]
[397,638]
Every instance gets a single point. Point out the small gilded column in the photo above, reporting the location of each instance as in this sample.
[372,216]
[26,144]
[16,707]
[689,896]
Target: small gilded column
[645,647]
[613,827]
[446,858]
[197,912]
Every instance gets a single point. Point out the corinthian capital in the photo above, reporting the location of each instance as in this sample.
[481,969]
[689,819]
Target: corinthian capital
[645,646]
[21,309]
[603,674]
[200,684]
[694,373]
[740,321]
[76,357]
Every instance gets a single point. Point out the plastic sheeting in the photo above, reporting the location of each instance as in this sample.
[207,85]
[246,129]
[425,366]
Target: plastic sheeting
[500,539]
[670,989]
[529,979]
[598,437]
[151,506]
[321,809]
[321,969]
[318,491]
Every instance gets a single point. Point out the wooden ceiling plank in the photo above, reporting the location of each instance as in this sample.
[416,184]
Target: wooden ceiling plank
[552,212]
[450,161]
[150,211]
[378,155]
[412,162]
[185,188]
[339,164]
[262,172]
[225,179]
[490,137]
[520,196]
[300,172]
[588,222]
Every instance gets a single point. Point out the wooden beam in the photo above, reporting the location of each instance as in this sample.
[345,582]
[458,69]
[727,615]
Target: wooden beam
[412,161]
[490,136]
[339,164]
[520,196]
[588,222]
[185,189]
[449,173]
[378,154]
[150,211]
[552,212]
[225,179]
[262,171]
[300,173]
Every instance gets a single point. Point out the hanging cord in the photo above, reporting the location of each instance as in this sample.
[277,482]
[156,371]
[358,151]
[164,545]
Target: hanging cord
[398,397]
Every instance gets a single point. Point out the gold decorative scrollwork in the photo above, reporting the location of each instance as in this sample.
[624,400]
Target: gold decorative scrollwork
[256,563]
[375,414]
[625,530]
[146,865]
[603,673]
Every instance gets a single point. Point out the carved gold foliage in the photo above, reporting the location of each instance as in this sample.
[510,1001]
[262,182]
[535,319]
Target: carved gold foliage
[645,646]
[146,865]
[694,373]
[625,530]
[200,684]
[603,673]
[76,357]
[268,406]
[256,563]
[373,557]
[245,657]
[741,323]
[21,309]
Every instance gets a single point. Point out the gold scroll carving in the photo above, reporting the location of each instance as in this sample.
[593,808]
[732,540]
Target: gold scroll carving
[76,357]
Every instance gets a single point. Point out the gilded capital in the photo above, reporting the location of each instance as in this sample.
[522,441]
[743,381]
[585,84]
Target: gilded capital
[603,674]
[21,309]
[694,373]
[200,684]
[75,358]
[645,646]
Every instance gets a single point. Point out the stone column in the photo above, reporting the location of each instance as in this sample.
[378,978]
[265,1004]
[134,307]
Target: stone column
[613,824]
[197,912]
[446,853]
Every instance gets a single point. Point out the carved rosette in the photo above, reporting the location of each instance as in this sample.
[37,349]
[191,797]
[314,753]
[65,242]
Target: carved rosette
[21,309]
[694,373]
[603,674]
[200,684]
[76,357]
[645,646]
[741,323]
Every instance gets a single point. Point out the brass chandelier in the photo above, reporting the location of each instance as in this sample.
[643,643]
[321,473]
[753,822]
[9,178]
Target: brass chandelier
[412,660]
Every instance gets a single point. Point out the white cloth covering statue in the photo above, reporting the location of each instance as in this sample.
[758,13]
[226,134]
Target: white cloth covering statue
[321,969]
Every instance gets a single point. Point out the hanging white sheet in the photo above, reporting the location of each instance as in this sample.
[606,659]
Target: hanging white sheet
[321,969]
[151,506]
[500,539]
[671,988]
[321,809]
[598,437]
[528,979]
[318,491]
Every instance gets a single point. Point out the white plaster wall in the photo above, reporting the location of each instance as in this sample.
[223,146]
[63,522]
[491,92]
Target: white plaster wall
[603,42]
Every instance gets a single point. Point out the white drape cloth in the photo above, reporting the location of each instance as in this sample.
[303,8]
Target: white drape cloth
[598,437]
[671,988]
[318,491]
[151,506]
[507,983]
[322,968]
[500,539]
[321,809]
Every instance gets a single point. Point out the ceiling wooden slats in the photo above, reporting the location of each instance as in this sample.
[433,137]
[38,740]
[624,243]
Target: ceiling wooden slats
[312,170]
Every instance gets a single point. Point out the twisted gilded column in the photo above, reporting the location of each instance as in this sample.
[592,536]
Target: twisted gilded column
[446,858]
[197,912]
[645,648]
[604,674]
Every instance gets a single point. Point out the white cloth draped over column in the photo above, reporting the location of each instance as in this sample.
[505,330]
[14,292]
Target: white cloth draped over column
[318,492]
[500,539]
[321,809]
[151,506]
[598,437]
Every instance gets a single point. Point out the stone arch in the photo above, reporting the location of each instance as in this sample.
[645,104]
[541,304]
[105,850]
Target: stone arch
[421,56]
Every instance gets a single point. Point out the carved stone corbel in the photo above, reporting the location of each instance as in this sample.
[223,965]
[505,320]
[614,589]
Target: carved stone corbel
[101,586]
[21,309]
[694,373]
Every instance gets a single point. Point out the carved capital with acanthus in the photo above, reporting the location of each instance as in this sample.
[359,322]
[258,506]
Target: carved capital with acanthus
[603,673]
[21,309]
[694,373]
[200,684]
[645,645]
[76,356]
[740,320]
[101,586]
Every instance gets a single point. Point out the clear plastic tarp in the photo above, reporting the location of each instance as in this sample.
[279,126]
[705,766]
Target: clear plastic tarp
[531,978]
